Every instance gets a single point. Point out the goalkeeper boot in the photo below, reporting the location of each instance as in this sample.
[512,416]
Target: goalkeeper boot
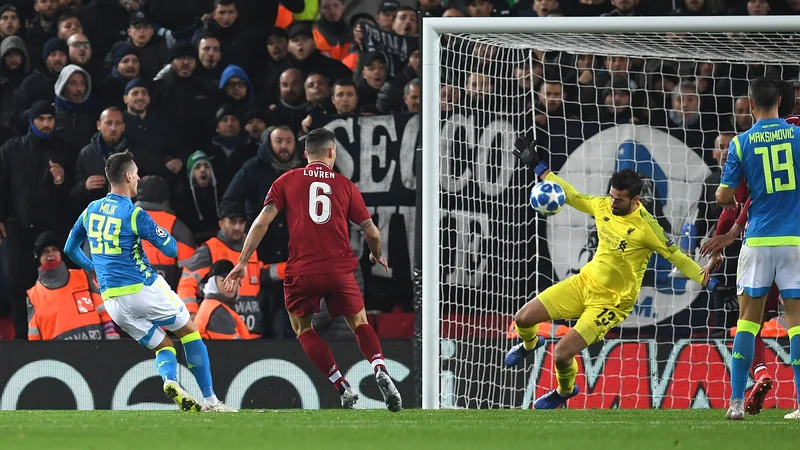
[185,402]
[219,407]
[349,397]
[736,410]
[554,399]
[389,391]
[517,354]
[755,402]
[794,415]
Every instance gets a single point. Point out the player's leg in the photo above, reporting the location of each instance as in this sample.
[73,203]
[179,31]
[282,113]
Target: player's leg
[370,347]
[562,300]
[124,311]
[594,323]
[167,310]
[786,277]
[759,373]
[756,272]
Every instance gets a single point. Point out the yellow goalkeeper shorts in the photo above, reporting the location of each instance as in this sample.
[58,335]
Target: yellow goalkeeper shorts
[578,298]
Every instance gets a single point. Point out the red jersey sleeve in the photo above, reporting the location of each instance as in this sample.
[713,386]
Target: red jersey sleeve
[357,212]
[742,219]
[276,194]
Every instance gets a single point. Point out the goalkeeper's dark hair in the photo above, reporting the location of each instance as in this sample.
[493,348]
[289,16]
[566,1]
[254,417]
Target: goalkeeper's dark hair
[117,166]
[764,93]
[627,180]
[319,141]
[786,91]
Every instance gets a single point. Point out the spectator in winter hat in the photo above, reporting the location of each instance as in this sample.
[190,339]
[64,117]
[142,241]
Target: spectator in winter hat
[14,67]
[39,84]
[256,120]
[153,51]
[126,68]
[34,198]
[9,21]
[230,148]
[198,205]
[304,56]
[373,76]
[185,100]
[386,13]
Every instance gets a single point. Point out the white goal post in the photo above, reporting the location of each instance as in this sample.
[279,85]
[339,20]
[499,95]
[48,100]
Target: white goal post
[730,39]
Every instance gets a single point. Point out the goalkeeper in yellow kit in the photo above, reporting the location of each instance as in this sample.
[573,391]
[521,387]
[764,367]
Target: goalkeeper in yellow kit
[602,295]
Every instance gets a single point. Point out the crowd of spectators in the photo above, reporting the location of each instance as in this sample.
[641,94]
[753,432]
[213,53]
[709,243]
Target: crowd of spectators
[213,98]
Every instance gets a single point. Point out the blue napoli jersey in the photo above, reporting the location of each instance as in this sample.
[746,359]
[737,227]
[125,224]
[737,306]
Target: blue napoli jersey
[115,228]
[767,156]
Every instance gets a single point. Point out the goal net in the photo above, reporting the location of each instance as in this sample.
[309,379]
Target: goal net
[602,99]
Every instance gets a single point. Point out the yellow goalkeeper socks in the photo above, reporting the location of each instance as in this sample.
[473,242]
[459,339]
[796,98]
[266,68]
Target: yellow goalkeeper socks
[566,378]
[528,336]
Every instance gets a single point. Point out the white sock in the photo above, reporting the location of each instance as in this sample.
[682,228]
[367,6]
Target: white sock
[211,401]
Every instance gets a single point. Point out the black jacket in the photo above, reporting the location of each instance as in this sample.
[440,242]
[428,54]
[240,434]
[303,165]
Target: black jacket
[36,86]
[190,105]
[240,44]
[28,195]
[152,57]
[225,166]
[250,186]
[321,64]
[390,95]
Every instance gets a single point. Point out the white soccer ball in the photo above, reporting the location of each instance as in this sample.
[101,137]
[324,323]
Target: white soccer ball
[547,198]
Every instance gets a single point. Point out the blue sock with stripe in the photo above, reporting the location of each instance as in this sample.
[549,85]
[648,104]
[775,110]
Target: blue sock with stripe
[167,364]
[199,364]
[743,347]
[794,355]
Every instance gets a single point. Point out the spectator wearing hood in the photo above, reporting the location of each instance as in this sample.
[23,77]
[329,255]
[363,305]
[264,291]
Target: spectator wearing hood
[152,51]
[126,67]
[185,100]
[304,56]
[153,196]
[39,84]
[390,95]
[198,205]
[238,41]
[34,197]
[14,67]
[52,301]
[149,129]
[237,89]
[230,148]
[216,318]
[277,154]
[332,35]
[75,120]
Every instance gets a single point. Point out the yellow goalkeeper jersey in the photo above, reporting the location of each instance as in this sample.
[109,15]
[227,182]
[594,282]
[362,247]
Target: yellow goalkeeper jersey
[626,244]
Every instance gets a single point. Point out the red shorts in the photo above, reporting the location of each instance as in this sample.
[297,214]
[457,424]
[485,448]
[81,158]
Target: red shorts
[302,294]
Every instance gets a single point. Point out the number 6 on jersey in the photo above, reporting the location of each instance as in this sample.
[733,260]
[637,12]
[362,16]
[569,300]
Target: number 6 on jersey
[319,205]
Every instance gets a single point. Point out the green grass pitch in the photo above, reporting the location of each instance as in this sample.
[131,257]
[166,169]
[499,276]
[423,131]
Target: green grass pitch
[409,429]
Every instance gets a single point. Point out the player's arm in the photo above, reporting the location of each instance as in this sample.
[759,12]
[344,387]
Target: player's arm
[185,240]
[357,212]
[658,241]
[257,231]
[526,151]
[73,246]
[731,176]
[145,227]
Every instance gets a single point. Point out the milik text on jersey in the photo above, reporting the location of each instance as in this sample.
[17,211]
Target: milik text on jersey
[318,173]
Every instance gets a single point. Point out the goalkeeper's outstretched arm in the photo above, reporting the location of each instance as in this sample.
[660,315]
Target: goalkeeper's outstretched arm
[658,241]
[526,151]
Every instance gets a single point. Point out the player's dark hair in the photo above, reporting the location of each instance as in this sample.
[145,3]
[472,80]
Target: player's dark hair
[627,180]
[117,166]
[786,91]
[319,141]
[764,93]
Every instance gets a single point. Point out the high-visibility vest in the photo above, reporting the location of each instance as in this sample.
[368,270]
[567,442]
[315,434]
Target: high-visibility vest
[204,315]
[69,312]
[166,266]
[338,52]
[285,17]
[247,304]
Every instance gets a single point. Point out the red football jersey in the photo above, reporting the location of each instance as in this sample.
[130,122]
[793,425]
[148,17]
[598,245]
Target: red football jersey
[318,204]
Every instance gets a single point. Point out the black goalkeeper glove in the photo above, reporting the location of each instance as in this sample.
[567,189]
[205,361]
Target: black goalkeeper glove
[525,150]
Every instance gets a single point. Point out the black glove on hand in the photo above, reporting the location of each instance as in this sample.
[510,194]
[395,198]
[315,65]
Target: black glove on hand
[525,150]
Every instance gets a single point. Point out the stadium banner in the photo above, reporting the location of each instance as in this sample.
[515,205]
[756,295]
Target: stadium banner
[122,375]
[377,153]
[612,374]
